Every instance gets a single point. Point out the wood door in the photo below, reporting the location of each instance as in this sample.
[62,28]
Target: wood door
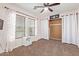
[55,29]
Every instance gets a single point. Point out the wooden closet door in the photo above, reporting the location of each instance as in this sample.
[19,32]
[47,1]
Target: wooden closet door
[55,29]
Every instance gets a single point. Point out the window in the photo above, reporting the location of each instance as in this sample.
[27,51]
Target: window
[24,27]
[31,27]
[20,26]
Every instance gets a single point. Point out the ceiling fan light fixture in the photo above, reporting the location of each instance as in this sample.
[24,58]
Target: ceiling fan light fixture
[46,8]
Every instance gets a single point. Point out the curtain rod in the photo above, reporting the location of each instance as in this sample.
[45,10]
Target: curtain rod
[20,12]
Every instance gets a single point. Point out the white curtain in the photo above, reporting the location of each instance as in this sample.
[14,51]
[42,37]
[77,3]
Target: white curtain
[70,27]
[3,34]
[10,29]
[78,29]
[7,35]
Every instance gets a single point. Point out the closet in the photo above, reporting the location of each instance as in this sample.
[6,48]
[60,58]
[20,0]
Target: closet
[55,29]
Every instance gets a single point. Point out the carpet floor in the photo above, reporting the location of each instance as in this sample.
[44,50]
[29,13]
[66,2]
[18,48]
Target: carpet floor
[45,48]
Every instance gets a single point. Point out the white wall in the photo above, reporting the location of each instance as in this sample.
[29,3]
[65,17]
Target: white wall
[38,28]
[43,30]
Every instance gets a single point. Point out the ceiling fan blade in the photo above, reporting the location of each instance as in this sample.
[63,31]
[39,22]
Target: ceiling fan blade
[35,7]
[46,4]
[50,9]
[42,10]
[54,4]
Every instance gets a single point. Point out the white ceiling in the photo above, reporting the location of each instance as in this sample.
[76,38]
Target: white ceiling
[57,9]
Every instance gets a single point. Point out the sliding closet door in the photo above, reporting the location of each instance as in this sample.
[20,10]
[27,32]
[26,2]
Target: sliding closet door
[55,29]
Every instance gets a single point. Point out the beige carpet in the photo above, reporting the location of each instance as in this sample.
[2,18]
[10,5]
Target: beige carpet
[45,48]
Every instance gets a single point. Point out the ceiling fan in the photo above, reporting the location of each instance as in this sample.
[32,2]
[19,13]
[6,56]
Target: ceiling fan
[46,6]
